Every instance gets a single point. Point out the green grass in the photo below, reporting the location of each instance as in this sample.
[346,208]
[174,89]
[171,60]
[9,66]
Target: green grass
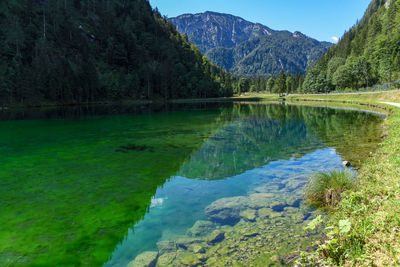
[325,189]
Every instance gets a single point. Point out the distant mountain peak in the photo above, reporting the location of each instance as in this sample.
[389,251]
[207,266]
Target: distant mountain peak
[249,48]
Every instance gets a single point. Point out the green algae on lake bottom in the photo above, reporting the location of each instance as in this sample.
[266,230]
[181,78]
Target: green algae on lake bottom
[70,197]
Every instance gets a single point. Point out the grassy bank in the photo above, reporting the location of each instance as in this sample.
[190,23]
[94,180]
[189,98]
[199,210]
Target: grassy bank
[372,210]
[364,228]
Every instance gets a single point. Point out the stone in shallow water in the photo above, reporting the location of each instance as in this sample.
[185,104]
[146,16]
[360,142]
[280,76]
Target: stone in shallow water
[291,210]
[187,259]
[260,200]
[216,237]
[201,228]
[248,215]
[166,246]
[196,248]
[264,212]
[146,259]
[275,214]
[184,243]
[263,189]
[295,184]
[166,259]
[249,232]
[227,210]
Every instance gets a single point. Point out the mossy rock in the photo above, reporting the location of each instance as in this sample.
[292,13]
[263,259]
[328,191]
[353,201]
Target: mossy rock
[184,243]
[249,233]
[275,214]
[166,246]
[295,184]
[197,248]
[227,210]
[216,237]
[201,228]
[248,215]
[187,259]
[277,203]
[260,200]
[146,259]
[166,260]
[264,212]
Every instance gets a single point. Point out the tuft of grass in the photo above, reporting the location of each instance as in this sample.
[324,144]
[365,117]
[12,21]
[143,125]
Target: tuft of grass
[325,189]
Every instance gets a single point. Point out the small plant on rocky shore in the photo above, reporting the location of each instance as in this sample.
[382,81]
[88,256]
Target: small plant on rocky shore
[325,189]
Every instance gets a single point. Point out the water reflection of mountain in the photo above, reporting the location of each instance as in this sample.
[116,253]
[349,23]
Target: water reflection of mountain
[259,134]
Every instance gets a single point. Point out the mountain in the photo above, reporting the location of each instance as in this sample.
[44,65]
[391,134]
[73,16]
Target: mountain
[368,54]
[85,51]
[247,48]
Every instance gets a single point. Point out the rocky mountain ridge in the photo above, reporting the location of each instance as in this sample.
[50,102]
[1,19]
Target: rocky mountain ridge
[247,48]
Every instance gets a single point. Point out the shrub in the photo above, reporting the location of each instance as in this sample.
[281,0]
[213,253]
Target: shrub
[325,189]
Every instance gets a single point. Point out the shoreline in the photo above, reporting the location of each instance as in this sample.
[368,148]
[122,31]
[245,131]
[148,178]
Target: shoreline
[129,102]
[371,209]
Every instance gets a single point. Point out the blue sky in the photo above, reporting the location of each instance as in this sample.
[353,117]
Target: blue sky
[320,19]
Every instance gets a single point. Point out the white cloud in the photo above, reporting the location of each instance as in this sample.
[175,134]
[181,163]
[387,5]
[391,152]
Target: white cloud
[335,39]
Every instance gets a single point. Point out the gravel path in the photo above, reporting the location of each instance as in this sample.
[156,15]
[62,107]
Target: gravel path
[354,93]
[391,103]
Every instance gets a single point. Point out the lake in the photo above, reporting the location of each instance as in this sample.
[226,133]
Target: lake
[200,184]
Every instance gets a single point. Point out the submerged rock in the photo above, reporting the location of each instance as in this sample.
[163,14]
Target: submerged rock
[184,243]
[166,259]
[264,212]
[248,215]
[275,215]
[146,259]
[227,210]
[197,248]
[249,232]
[166,246]
[266,188]
[216,237]
[187,259]
[295,184]
[260,200]
[201,228]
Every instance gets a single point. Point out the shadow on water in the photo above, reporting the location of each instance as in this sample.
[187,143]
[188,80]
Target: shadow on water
[74,181]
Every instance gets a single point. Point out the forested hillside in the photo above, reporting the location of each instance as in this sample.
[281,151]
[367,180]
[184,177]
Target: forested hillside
[368,54]
[75,51]
[247,48]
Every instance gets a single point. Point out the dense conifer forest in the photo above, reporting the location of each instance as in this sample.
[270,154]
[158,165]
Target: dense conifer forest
[85,51]
[80,51]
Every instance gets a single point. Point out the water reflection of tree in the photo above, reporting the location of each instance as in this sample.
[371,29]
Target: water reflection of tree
[260,134]
[353,134]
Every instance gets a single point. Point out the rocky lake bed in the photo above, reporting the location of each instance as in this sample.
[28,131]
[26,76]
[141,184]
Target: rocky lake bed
[265,226]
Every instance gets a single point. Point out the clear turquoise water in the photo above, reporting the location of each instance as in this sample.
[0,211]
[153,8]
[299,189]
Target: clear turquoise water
[98,186]
[181,201]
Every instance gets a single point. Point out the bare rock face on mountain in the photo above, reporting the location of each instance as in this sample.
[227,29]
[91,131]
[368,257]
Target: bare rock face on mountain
[249,48]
